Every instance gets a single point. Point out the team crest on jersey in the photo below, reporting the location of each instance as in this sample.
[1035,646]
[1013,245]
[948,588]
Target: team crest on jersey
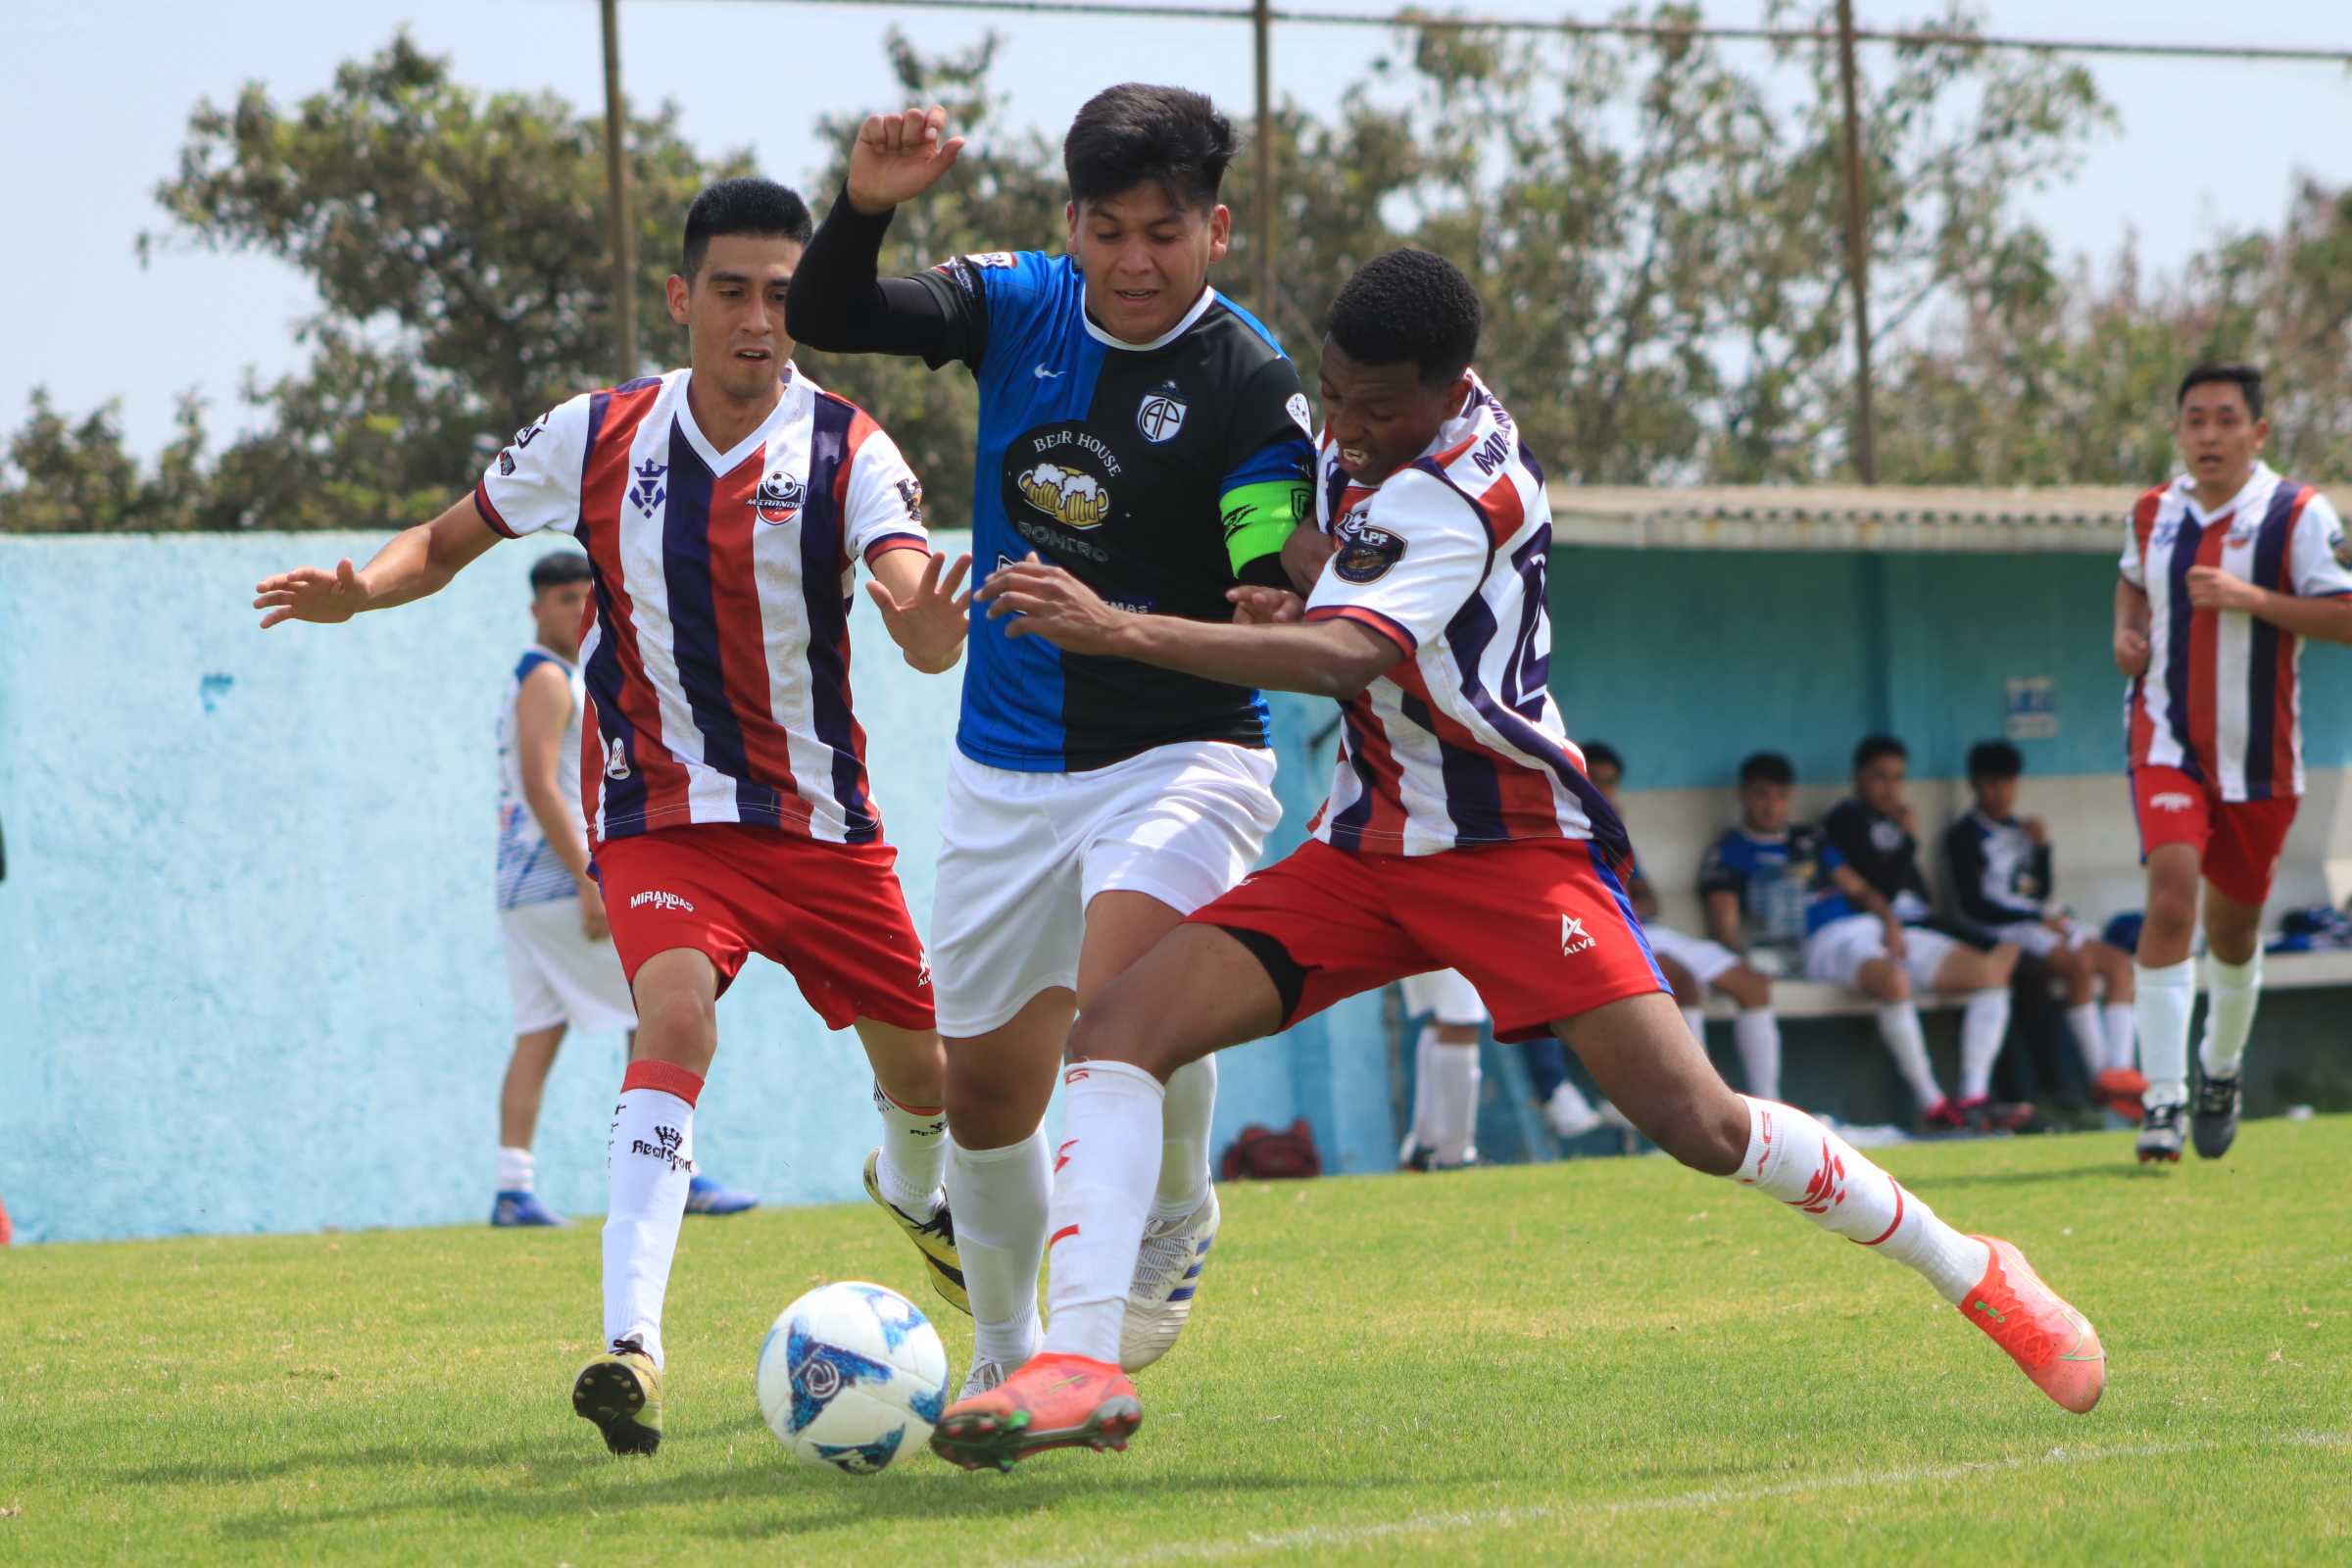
[910,496]
[779,498]
[505,462]
[647,493]
[989,258]
[1364,553]
[1161,414]
[1297,410]
[1071,498]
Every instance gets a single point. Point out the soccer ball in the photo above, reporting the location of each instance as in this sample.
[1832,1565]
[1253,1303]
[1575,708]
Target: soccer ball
[851,1376]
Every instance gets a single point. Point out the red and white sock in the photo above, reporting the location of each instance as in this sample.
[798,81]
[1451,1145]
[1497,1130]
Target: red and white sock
[651,1159]
[999,1197]
[1794,1158]
[1907,1043]
[1983,1025]
[915,1154]
[1758,1033]
[1103,1173]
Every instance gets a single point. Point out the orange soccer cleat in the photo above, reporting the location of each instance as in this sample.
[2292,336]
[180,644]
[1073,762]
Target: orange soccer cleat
[2054,1344]
[1054,1401]
[2118,1089]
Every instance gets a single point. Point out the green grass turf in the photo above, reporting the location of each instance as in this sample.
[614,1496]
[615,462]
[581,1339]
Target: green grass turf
[1609,1361]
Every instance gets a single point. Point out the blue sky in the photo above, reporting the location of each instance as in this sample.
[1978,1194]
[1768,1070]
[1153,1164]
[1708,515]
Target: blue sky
[94,103]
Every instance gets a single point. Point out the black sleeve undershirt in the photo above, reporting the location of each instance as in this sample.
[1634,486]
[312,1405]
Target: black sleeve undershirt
[839,304]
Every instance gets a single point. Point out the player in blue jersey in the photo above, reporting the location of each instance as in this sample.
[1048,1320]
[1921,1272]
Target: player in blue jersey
[1142,431]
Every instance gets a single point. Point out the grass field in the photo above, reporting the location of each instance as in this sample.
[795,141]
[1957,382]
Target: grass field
[1609,1361]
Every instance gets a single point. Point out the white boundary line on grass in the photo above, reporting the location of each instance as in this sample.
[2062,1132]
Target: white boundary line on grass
[1254,1544]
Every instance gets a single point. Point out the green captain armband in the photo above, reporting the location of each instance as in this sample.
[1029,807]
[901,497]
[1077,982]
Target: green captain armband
[1259,517]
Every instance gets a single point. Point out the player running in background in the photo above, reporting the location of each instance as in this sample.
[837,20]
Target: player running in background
[1691,965]
[1446,1076]
[724,509]
[1869,928]
[1461,830]
[1998,868]
[1139,430]
[2225,571]
[561,967]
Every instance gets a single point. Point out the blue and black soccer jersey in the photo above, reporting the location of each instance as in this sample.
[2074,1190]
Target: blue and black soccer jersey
[1771,877]
[1997,874]
[1160,475]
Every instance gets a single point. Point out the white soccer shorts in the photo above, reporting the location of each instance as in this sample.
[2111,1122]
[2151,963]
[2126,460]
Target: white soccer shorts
[1023,853]
[1445,995]
[2032,936]
[1837,950]
[556,975]
[1707,960]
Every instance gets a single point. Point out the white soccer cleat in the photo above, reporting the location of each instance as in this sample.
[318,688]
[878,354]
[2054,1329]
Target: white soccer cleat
[1167,1274]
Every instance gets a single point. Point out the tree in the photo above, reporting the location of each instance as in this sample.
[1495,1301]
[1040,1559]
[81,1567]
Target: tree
[458,241]
[77,478]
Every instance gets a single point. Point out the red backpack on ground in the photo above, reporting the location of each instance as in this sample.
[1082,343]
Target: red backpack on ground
[1261,1153]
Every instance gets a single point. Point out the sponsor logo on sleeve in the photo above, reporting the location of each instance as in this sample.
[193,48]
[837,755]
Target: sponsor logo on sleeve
[1297,410]
[505,462]
[910,496]
[1161,414]
[616,760]
[779,498]
[1364,553]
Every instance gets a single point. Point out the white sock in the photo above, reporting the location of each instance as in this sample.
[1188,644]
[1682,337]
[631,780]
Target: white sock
[1794,1158]
[652,1158]
[516,1169]
[999,1198]
[2229,1015]
[1758,1033]
[2162,1001]
[915,1154]
[1454,1075]
[2122,1036]
[1984,1024]
[1898,1027]
[1184,1114]
[1426,1090]
[2090,1036]
[1696,1020]
[1103,1174]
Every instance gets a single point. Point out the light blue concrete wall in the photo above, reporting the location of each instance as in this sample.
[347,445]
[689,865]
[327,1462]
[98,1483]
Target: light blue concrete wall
[250,974]
[1687,661]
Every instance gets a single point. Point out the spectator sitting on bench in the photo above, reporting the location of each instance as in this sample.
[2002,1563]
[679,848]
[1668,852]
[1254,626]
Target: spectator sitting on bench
[1691,964]
[1868,927]
[1754,882]
[1999,873]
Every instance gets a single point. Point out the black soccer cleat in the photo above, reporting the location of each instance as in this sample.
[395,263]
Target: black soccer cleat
[2213,1124]
[2160,1133]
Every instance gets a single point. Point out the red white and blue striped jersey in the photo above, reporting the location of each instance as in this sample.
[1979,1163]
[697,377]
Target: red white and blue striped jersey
[1459,743]
[2220,700]
[716,660]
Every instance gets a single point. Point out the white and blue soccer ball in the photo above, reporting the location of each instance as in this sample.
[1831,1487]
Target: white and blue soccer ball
[851,1377]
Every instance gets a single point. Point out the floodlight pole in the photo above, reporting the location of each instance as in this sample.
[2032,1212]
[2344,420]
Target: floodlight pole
[1863,438]
[617,203]
[1261,20]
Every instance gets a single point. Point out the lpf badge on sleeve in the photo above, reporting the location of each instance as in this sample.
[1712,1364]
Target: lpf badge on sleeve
[1364,553]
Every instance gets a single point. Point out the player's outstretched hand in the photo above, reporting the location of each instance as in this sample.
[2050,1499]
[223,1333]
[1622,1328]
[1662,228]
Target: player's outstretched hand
[309,594]
[899,155]
[930,623]
[1265,606]
[1049,603]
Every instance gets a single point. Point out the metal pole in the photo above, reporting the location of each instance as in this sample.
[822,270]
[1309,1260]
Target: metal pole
[1262,20]
[1863,438]
[617,203]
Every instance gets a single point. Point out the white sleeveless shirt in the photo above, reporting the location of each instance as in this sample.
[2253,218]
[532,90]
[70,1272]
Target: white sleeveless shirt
[528,869]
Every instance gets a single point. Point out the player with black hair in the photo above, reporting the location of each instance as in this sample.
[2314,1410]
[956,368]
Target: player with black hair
[1869,925]
[1997,869]
[725,510]
[1143,432]
[2225,570]
[1461,831]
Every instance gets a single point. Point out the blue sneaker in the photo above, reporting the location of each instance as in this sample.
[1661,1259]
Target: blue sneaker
[525,1209]
[706,1196]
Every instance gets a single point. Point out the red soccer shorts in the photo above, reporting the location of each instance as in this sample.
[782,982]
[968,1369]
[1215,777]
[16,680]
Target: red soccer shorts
[1540,926]
[2237,842]
[830,913]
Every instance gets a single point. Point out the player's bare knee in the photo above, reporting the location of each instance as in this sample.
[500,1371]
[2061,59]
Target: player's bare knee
[1744,986]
